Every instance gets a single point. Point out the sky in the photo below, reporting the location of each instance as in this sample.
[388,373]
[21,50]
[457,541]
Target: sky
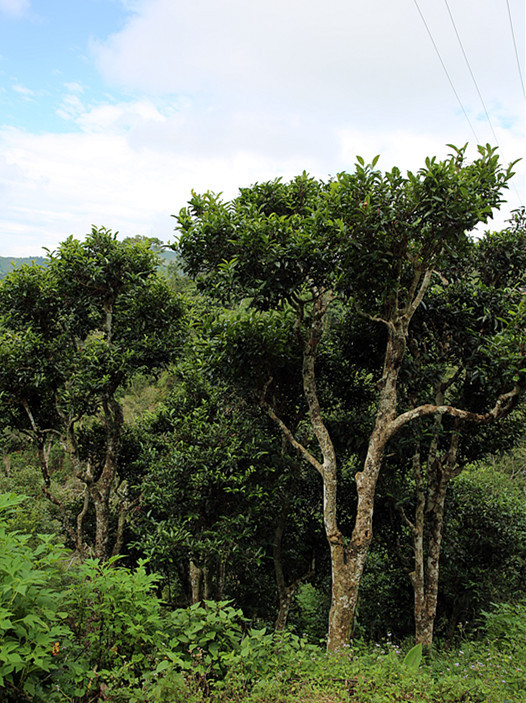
[113,111]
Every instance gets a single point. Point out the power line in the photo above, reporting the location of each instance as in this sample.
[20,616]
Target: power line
[446,71]
[471,74]
[515,47]
[477,87]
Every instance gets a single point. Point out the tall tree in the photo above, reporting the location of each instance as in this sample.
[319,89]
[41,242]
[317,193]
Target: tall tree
[465,350]
[73,332]
[369,240]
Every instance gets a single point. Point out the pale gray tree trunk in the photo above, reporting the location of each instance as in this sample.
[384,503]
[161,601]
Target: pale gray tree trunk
[347,562]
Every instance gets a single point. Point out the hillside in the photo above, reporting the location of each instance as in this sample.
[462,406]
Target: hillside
[8,262]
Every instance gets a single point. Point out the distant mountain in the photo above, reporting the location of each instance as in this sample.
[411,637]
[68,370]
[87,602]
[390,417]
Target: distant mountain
[8,263]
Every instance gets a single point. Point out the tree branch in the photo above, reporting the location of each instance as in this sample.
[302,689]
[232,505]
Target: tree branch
[505,403]
[366,315]
[413,303]
[290,437]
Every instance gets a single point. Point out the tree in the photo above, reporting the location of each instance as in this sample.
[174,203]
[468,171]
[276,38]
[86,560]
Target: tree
[364,239]
[72,335]
[465,350]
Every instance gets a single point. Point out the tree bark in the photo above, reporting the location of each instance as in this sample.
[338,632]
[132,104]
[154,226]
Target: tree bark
[100,489]
[285,593]
[347,562]
[196,582]
[431,490]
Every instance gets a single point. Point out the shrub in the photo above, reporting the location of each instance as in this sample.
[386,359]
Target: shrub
[480,566]
[505,624]
[116,624]
[32,618]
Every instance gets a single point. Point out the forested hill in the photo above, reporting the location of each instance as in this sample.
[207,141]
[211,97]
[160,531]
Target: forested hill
[7,263]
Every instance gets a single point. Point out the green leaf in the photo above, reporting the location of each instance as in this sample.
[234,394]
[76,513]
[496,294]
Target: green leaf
[413,657]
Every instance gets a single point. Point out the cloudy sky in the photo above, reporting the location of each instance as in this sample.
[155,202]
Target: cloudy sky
[112,111]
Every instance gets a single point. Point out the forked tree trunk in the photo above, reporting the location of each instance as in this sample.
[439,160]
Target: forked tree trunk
[427,529]
[206,581]
[427,538]
[347,563]
[100,488]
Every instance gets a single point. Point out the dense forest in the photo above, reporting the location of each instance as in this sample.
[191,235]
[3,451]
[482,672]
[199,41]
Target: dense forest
[281,458]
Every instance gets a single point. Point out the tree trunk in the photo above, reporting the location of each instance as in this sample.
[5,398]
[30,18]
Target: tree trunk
[285,593]
[196,581]
[343,603]
[427,532]
[100,489]
[100,500]
[347,564]
[355,555]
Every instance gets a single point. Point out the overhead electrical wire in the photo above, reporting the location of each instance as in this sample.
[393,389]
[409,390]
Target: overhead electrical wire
[476,84]
[471,73]
[445,70]
[515,47]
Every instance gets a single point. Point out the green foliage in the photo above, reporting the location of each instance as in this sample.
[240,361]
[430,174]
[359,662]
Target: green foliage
[70,633]
[295,255]
[210,646]
[72,335]
[32,611]
[207,474]
[7,263]
[114,617]
[505,624]
[96,632]
[360,232]
[482,565]
[20,473]
[205,637]
[501,256]
[310,611]
[474,674]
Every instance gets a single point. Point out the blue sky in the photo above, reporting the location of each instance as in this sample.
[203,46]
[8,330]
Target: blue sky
[45,47]
[112,111]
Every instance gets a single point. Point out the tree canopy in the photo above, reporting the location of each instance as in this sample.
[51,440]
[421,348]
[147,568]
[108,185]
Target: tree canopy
[73,334]
[371,242]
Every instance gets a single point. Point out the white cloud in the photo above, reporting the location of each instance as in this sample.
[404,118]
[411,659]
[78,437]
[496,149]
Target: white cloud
[14,8]
[109,117]
[132,167]
[71,107]
[297,82]
[25,92]
[360,61]
[222,94]
[74,87]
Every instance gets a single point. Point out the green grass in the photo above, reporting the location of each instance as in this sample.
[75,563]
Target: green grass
[475,673]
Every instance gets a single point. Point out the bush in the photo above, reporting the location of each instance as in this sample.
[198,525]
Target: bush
[116,625]
[505,624]
[209,651]
[70,634]
[32,616]
[480,566]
